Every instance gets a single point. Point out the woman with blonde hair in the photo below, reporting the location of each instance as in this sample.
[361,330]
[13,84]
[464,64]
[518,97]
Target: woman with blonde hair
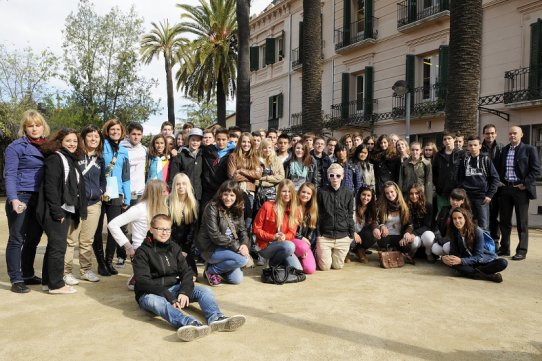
[23,170]
[153,202]
[395,228]
[275,227]
[305,237]
[272,174]
[183,208]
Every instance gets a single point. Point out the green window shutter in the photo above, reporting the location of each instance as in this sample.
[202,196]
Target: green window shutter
[444,5]
[269,51]
[535,56]
[347,19]
[369,34]
[279,105]
[443,59]
[412,10]
[410,74]
[369,90]
[254,58]
[345,95]
[300,41]
[270,109]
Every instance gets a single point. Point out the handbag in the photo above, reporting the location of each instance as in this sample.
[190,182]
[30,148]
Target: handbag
[280,275]
[391,259]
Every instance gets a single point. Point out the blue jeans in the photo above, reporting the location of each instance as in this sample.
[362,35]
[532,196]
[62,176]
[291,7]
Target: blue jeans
[281,253]
[227,264]
[480,212]
[158,305]
[24,237]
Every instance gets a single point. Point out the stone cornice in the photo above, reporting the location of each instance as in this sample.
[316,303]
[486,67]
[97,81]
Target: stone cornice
[530,7]
[444,33]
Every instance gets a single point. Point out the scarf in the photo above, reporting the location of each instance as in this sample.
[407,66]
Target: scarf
[70,195]
[298,169]
[393,206]
[36,142]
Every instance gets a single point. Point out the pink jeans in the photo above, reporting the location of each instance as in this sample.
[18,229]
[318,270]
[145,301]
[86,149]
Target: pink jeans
[308,262]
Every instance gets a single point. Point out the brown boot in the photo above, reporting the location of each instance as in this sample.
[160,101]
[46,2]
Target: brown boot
[347,258]
[362,257]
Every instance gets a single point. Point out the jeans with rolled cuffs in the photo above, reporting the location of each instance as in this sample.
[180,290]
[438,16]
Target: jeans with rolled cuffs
[160,306]
[227,264]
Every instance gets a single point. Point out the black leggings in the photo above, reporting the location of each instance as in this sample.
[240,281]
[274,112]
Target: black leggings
[492,267]
[367,239]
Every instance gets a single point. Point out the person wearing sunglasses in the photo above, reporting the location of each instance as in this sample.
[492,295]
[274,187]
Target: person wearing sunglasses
[336,221]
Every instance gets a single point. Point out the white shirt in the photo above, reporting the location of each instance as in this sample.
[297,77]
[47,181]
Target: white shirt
[137,217]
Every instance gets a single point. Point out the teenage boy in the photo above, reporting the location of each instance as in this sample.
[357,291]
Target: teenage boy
[322,162]
[283,148]
[336,224]
[257,139]
[208,137]
[215,166]
[273,135]
[445,165]
[519,167]
[189,162]
[491,147]
[308,140]
[165,286]
[166,129]
[137,155]
[479,178]
[330,149]
[233,138]
[459,141]
[295,139]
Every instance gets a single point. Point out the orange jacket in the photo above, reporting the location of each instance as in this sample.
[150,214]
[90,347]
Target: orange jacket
[265,225]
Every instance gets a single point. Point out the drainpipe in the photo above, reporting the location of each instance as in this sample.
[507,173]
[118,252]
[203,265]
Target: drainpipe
[290,72]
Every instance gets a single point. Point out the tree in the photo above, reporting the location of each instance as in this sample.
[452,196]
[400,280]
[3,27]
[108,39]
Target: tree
[242,98]
[311,50]
[167,41]
[210,67]
[24,75]
[464,66]
[202,114]
[101,66]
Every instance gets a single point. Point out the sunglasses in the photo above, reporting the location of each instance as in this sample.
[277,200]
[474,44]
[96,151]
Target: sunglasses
[332,175]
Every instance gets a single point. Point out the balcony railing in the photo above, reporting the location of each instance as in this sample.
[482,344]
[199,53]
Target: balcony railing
[524,84]
[296,120]
[425,100]
[355,33]
[351,112]
[296,58]
[409,12]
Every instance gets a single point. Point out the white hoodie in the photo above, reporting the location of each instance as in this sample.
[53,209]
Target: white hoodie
[138,157]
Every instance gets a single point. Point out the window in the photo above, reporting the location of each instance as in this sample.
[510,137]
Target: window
[429,75]
[280,48]
[262,56]
[275,107]
[359,93]
[360,16]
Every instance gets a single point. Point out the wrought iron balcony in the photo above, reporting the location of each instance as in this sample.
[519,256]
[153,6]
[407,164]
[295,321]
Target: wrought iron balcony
[425,100]
[409,12]
[351,112]
[524,84]
[355,34]
[296,120]
[296,58]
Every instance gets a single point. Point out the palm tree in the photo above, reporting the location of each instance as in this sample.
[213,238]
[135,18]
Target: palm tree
[311,93]
[464,66]
[243,65]
[210,68]
[167,41]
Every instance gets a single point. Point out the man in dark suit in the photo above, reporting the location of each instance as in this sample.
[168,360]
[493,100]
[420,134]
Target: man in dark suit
[519,167]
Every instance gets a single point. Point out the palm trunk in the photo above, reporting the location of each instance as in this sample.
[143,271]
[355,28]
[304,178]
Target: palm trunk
[311,93]
[170,95]
[464,66]
[220,102]
[243,66]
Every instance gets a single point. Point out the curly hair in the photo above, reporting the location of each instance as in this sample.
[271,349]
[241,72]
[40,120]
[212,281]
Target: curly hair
[238,207]
[54,142]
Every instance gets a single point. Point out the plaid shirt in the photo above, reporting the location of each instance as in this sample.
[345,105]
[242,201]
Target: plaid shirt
[510,173]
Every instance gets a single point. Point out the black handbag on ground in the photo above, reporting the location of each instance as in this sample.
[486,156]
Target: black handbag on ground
[280,275]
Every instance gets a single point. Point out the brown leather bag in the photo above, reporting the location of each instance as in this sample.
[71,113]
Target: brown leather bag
[391,259]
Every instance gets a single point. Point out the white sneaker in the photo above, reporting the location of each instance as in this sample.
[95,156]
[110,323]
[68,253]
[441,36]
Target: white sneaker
[191,332]
[228,324]
[45,288]
[66,290]
[70,279]
[90,276]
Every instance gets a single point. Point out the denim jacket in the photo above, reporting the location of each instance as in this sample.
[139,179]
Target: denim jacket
[476,256]
[23,168]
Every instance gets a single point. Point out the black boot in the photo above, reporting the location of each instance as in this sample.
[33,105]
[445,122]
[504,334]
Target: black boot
[99,252]
[493,277]
[109,265]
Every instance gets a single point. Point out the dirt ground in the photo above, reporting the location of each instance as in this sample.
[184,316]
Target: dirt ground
[362,312]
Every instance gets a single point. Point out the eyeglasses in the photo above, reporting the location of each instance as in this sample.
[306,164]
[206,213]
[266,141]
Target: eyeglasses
[163,230]
[331,175]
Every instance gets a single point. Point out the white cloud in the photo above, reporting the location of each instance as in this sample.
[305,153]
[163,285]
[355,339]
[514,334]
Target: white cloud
[39,24]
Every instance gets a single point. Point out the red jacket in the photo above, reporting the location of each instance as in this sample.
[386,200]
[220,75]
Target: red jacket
[265,225]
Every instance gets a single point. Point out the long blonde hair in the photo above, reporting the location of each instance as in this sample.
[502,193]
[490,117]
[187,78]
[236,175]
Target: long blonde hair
[399,203]
[293,206]
[155,198]
[187,206]
[310,213]
[272,156]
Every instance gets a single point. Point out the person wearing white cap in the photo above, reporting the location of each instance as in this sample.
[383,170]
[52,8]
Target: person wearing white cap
[188,161]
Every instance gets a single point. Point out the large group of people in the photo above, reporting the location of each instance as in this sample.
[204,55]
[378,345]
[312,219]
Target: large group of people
[230,199]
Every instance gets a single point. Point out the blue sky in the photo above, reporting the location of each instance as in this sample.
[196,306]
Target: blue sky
[39,24]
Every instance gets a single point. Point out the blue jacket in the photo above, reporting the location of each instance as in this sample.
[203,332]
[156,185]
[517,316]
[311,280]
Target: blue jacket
[94,178]
[23,168]
[121,169]
[474,257]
